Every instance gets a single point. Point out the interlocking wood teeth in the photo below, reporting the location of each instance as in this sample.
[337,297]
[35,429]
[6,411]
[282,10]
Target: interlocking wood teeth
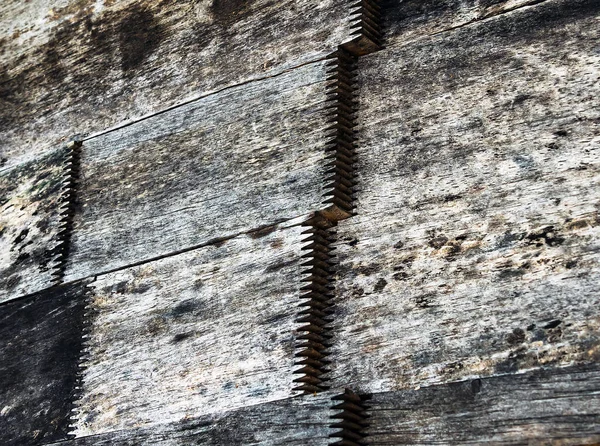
[341,147]
[349,419]
[67,201]
[314,335]
[365,27]
[84,357]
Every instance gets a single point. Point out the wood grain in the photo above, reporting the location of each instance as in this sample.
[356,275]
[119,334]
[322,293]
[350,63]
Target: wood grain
[560,406]
[410,20]
[475,246]
[202,332]
[82,66]
[29,224]
[245,158]
[40,343]
[292,422]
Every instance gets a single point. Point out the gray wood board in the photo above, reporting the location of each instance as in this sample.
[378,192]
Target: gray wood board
[29,224]
[205,331]
[560,406]
[82,66]
[294,421]
[248,157]
[409,20]
[475,246]
[40,343]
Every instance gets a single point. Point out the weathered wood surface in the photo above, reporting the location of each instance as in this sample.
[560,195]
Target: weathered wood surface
[408,20]
[298,421]
[205,331]
[40,342]
[247,157]
[82,66]
[474,250]
[29,224]
[560,406]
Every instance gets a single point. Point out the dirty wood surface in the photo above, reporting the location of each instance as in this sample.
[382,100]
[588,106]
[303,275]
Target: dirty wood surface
[29,224]
[40,342]
[555,406]
[474,250]
[409,20]
[245,158]
[205,331]
[81,66]
[294,421]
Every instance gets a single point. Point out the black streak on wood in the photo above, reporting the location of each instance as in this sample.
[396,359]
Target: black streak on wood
[40,344]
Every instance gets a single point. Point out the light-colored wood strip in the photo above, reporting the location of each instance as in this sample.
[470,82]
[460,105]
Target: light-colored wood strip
[245,158]
[202,332]
[292,422]
[474,250]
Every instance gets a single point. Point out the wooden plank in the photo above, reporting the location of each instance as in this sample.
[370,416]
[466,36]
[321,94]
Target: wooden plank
[205,331]
[556,406]
[29,224]
[475,246]
[248,157]
[409,20]
[40,343]
[293,422]
[82,66]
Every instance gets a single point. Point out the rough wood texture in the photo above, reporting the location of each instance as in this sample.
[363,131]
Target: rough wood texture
[408,20]
[40,343]
[291,422]
[29,224]
[82,66]
[204,331]
[475,246]
[560,406]
[247,157]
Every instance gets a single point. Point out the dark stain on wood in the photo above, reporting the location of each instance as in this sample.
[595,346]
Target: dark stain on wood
[537,408]
[40,344]
[139,35]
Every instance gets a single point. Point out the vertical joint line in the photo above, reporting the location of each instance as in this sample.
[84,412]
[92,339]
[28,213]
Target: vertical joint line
[67,202]
[313,335]
[89,314]
[349,420]
[341,145]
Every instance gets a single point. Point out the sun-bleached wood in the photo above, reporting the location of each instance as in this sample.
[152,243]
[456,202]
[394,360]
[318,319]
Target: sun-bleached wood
[202,332]
[248,157]
[474,250]
[77,67]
